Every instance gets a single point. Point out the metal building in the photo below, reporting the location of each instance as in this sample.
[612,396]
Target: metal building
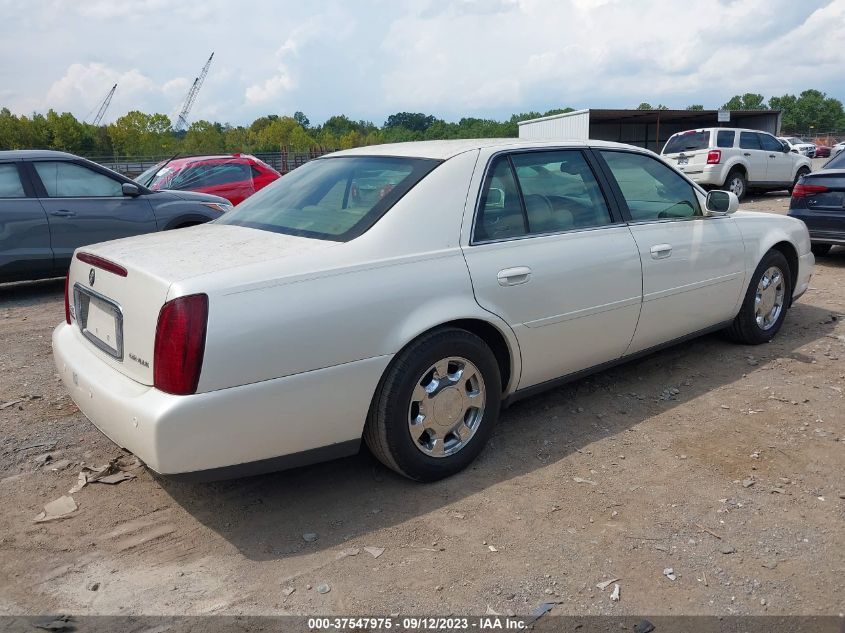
[644,128]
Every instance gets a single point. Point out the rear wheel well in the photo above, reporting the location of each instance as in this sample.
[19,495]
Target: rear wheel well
[495,341]
[788,251]
[737,167]
[488,333]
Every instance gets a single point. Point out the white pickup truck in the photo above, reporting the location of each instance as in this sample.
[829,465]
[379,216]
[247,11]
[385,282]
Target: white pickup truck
[735,159]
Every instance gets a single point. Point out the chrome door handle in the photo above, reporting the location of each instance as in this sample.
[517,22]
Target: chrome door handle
[514,276]
[63,213]
[661,251]
[747,154]
[772,156]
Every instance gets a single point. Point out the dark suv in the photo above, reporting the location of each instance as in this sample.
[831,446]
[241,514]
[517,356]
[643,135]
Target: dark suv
[52,203]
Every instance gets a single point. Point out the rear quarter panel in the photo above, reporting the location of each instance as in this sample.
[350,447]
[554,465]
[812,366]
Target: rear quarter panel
[762,231]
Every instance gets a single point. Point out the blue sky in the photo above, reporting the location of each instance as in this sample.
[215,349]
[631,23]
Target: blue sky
[452,58]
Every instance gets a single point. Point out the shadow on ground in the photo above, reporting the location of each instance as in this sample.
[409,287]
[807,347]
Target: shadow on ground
[265,516]
[29,293]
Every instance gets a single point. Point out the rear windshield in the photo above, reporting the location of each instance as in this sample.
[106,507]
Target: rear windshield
[688,142]
[331,198]
[837,162]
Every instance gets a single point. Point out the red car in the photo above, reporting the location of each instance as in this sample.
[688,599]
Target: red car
[234,177]
[822,151]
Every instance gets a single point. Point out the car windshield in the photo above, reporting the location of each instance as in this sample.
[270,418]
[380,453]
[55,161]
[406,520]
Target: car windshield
[794,140]
[688,142]
[146,177]
[331,198]
[837,162]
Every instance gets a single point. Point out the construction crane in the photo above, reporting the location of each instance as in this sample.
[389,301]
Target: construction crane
[182,121]
[104,106]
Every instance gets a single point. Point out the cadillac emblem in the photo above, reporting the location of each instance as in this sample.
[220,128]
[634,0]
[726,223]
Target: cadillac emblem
[91,277]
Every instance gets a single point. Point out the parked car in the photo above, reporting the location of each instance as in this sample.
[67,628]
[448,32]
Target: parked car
[822,151]
[799,145]
[51,203]
[836,149]
[819,200]
[235,177]
[401,293]
[735,159]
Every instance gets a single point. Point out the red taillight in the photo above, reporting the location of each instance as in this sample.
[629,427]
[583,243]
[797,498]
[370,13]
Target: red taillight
[99,262]
[67,298]
[180,344]
[802,191]
[714,157]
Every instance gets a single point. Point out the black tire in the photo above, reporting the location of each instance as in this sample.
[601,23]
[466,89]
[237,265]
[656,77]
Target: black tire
[745,328]
[736,182]
[820,250]
[803,171]
[387,431]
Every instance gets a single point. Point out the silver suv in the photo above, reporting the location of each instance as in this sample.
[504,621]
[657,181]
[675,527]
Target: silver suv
[735,159]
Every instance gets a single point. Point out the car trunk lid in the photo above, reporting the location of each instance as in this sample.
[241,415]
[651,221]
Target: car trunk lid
[688,150]
[117,288]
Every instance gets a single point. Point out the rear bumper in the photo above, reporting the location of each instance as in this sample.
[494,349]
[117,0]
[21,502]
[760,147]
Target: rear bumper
[711,175]
[222,431]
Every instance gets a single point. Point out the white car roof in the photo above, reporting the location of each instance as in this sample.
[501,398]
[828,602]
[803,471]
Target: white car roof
[443,150]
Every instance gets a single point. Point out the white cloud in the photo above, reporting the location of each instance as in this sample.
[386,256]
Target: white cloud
[450,58]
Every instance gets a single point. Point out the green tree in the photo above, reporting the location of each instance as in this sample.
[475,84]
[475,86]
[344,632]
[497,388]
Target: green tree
[645,106]
[413,121]
[810,109]
[204,137]
[300,118]
[695,107]
[748,101]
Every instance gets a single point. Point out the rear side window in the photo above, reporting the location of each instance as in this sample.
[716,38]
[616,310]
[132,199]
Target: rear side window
[688,142]
[725,138]
[651,189]
[10,182]
[770,143]
[749,140]
[500,215]
[69,180]
[560,191]
[331,198]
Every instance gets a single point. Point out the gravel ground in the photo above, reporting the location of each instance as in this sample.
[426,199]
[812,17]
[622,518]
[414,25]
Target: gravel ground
[722,462]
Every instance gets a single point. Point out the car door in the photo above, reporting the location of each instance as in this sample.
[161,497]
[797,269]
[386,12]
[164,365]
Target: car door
[25,251]
[778,162]
[86,206]
[551,256]
[752,152]
[693,265]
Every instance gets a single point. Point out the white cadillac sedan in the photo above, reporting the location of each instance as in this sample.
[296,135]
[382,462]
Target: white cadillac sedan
[402,294]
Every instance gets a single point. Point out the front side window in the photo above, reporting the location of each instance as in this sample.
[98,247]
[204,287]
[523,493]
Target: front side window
[560,191]
[749,140]
[651,189]
[725,138]
[69,180]
[10,182]
[331,198]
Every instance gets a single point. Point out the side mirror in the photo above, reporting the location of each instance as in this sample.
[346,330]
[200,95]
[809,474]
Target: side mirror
[721,202]
[794,150]
[133,191]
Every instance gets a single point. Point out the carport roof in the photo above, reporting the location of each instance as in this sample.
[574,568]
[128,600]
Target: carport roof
[651,116]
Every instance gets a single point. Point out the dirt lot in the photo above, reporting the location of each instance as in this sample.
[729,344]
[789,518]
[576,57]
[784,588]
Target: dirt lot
[725,463]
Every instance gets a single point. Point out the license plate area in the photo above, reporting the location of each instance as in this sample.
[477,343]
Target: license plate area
[683,160]
[100,320]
